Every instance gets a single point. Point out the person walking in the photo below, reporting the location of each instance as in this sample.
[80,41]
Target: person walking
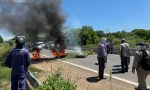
[124,55]
[102,57]
[142,69]
[18,59]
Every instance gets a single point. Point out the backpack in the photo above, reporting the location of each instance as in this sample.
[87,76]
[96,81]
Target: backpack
[145,60]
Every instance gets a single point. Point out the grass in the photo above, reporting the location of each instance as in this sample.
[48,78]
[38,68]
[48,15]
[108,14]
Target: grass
[55,81]
[72,55]
[33,69]
[5,72]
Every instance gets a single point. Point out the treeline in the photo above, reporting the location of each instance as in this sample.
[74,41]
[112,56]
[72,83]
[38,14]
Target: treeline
[88,36]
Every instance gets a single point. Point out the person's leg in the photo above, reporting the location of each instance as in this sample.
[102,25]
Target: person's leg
[98,66]
[128,60]
[102,67]
[22,82]
[122,64]
[126,64]
[142,75]
[14,81]
[111,50]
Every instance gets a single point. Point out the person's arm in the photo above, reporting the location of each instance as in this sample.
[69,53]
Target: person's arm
[7,61]
[120,49]
[27,58]
[136,61]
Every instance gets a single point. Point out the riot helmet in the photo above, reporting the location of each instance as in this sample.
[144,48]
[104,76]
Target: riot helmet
[20,41]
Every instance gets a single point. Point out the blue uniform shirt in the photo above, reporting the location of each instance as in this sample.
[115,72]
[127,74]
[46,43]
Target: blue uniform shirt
[18,60]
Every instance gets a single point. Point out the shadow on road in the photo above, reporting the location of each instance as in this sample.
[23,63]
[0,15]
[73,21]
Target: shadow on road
[117,66]
[116,69]
[93,79]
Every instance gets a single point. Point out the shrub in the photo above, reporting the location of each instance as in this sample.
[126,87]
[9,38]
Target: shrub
[5,72]
[56,82]
[4,49]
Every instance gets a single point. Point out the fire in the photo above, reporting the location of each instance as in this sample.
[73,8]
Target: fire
[58,53]
[36,54]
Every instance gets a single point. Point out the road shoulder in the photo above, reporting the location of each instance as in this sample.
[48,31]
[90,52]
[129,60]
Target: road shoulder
[84,79]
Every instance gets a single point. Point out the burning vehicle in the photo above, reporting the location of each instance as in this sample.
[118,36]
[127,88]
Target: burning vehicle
[58,51]
[36,52]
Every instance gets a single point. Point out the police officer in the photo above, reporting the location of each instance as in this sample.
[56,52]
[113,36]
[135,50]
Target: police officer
[124,55]
[141,73]
[18,59]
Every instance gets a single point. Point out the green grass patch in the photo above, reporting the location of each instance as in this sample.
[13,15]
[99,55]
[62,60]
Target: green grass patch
[33,69]
[4,50]
[5,74]
[56,82]
[70,55]
[88,52]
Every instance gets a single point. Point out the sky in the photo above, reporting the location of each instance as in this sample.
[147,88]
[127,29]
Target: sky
[108,15]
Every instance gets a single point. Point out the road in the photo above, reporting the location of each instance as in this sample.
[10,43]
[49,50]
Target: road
[113,64]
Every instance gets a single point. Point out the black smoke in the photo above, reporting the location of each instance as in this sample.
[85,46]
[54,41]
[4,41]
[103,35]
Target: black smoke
[33,18]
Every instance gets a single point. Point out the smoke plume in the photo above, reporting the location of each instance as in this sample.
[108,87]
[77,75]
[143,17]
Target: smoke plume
[33,18]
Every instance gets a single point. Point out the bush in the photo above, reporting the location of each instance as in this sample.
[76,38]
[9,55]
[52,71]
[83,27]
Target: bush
[5,72]
[4,50]
[56,82]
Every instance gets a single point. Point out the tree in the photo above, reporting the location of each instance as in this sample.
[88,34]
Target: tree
[1,39]
[100,33]
[88,36]
[140,32]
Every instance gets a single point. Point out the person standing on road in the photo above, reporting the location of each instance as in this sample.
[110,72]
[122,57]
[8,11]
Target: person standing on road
[124,55]
[18,59]
[111,47]
[102,57]
[141,72]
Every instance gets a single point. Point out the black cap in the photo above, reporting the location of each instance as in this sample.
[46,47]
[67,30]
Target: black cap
[141,44]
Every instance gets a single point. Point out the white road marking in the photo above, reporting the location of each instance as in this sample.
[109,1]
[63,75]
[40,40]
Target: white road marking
[118,78]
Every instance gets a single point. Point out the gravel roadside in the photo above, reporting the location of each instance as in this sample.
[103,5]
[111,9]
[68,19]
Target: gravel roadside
[84,79]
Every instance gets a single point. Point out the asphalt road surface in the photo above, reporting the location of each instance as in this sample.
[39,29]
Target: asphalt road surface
[113,65]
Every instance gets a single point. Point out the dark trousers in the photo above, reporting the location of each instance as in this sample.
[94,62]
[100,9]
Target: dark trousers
[101,62]
[18,82]
[124,63]
[111,50]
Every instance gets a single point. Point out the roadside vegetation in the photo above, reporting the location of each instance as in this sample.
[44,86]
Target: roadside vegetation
[4,71]
[56,82]
[86,36]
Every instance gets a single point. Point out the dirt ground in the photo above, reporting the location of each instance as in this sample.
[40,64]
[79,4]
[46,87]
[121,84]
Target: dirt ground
[84,79]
